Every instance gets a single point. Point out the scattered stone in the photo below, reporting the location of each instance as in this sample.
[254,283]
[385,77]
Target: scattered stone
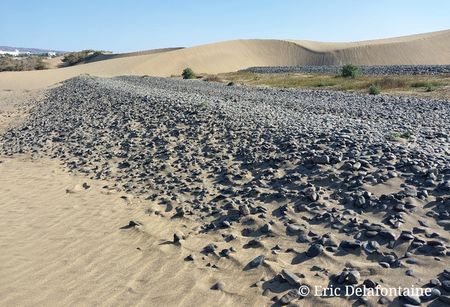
[435,293]
[350,245]
[131,224]
[291,278]
[244,210]
[349,275]
[435,282]
[256,262]
[383,300]
[353,277]
[314,250]
[177,237]
[446,285]
[413,300]
[290,296]
[190,257]
[219,286]
[209,249]
[321,159]
[266,228]
[254,244]
[445,299]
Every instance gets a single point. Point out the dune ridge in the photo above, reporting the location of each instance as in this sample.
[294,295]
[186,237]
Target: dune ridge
[421,49]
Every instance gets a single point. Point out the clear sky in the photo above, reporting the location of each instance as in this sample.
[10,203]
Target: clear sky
[120,25]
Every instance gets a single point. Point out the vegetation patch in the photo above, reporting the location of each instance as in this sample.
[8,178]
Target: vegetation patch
[188,73]
[374,89]
[73,58]
[391,82]
[350,71]
[425,84]
[22,63]
[212,78]
[325,83]
[398,136]
[408,84]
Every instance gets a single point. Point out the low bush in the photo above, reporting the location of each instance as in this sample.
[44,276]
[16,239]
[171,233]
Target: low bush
[22,63]
[397,136]
[188,73]
[350,71]
[374,89]
[40,64]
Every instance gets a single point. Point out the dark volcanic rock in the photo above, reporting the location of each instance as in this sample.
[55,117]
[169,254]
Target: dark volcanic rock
[284,163]
[314,250]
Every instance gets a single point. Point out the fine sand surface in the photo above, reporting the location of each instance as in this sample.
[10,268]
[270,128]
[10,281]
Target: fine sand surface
[62,246]
[429,48]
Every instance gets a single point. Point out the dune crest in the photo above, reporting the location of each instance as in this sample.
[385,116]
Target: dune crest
[428,48]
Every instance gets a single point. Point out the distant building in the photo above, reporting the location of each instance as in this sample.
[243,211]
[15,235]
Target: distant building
[51,54]
[13,53]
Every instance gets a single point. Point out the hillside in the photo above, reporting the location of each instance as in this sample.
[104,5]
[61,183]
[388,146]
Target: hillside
[429,48]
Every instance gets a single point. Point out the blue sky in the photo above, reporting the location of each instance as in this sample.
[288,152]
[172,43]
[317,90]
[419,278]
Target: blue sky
[137,24]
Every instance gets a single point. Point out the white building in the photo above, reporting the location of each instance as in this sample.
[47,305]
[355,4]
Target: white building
[13,53]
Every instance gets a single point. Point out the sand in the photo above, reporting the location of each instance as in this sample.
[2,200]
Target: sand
[429,48]
[66,249]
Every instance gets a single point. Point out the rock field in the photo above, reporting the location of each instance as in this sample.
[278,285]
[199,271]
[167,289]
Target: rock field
[352,187]
[365,70]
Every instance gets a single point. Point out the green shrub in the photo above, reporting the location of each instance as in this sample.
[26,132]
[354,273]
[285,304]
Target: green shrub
[429,88]
[374,89]
[349,71]
[188,73]
[40,64]
[397,136]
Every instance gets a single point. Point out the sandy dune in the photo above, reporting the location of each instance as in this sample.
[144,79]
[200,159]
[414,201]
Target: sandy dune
[429,48]
[57,62]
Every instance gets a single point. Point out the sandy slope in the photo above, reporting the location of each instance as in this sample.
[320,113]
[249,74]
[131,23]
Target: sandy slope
[429,48]
[57,62]
[67,249]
